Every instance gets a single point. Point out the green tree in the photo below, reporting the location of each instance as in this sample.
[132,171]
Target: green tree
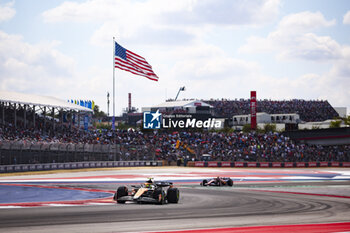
[98,113]
[347,121]
[269,128]
[246,128]
[335,124]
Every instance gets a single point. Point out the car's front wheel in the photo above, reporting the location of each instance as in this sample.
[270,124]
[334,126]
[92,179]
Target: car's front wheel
[121,192]
[204,183]
[159,195]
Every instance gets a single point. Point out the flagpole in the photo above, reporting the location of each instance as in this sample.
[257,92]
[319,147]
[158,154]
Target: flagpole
[113,119]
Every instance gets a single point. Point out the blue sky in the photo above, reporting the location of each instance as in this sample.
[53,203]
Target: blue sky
[217,49]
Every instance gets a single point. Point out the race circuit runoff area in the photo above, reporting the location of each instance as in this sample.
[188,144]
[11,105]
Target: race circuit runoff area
[261,200]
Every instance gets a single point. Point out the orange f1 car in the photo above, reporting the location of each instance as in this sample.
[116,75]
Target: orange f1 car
[150,192]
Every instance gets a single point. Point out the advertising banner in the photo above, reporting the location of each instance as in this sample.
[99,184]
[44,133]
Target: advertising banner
[212,164]
[239,164]
[199,164]
[251,164]
[225,164]
[288,164]
[323,164]
[346,164]
[264,164]
[300,164]
[335,164]
[312,164]
[276,164]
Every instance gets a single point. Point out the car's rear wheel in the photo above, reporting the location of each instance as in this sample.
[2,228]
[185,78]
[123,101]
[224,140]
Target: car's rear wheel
[230,182]
[121,192]
[173,195]
[204,183]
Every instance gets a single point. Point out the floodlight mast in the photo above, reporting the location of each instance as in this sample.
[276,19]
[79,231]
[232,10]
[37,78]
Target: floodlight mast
[107,103]
[181,89]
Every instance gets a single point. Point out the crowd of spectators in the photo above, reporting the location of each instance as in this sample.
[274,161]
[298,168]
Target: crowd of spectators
[308,110]
[235,146]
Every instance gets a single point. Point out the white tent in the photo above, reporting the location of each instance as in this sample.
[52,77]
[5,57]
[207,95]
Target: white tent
[37,100]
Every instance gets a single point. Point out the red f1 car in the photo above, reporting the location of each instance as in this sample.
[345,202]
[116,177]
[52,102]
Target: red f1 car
[218,181]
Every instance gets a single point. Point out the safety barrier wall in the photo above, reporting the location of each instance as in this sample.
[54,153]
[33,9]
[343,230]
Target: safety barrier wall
[266,164]
[77,165]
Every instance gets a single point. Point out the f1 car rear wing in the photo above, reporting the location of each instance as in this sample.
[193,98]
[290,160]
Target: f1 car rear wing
[163,183]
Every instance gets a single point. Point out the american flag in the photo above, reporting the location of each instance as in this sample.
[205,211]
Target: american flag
[129,61]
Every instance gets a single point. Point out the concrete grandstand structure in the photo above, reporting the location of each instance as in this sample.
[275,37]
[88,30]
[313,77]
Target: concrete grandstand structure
[182,106]
[263,117]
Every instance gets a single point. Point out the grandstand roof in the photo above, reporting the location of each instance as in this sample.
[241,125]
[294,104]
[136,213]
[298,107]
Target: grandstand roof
[38,100]
[181,103]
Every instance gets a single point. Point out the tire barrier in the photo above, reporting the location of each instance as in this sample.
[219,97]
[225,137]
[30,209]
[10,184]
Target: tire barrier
[76,165]
[267,164]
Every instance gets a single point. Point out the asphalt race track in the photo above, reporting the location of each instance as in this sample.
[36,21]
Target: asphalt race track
[245,204]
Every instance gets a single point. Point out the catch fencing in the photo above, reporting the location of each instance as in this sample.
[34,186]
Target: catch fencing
[76,165]
[22,152]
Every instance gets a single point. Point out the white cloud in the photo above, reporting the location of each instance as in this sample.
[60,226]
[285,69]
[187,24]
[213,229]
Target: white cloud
[293,39]
[304,21]
[178,12]
[346,19]
[313,48]
[229,13]
[161,21]
[6,11]
[26,66]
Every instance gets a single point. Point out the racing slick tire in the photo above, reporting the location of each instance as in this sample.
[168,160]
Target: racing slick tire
[230,182]
[159,195]
[173,195]
[121,192]
[204,183]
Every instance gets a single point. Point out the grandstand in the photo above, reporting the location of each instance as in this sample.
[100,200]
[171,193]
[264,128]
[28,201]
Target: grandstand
[27,110]
[308,110]
[38,129]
